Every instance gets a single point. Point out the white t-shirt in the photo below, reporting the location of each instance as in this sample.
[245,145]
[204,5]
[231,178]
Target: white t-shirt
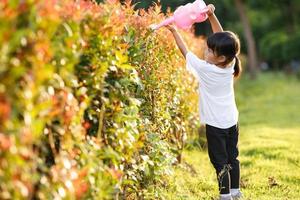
[217,105]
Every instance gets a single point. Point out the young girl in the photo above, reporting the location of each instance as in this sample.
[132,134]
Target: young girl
[218,110]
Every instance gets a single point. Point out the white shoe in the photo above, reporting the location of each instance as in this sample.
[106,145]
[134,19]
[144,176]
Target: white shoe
[238,196]
[226,198]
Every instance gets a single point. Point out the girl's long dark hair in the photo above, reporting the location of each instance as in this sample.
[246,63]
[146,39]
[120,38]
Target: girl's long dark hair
[226,44]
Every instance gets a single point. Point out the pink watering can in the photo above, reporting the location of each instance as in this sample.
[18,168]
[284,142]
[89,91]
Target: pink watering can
[185,16]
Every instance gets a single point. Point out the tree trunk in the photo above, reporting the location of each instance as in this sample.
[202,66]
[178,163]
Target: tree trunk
[251,46]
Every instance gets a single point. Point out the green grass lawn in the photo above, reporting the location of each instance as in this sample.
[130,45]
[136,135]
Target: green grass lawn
[269,143]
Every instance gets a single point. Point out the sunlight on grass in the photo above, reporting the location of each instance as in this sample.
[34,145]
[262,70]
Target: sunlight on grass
[272,99]
[269,145]
[270,162]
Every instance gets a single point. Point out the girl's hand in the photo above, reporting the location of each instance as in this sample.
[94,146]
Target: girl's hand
[171,28]
[211,9]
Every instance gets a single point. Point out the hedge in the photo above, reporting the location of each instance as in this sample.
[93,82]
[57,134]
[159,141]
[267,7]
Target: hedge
[93,104]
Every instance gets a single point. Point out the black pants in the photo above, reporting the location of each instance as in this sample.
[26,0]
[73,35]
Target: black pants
[223,152]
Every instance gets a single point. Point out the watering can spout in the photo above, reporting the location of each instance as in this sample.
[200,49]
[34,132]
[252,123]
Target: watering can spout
[163,23]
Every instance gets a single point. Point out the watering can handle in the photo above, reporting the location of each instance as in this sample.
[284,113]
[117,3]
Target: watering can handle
[205,10]
[171,20]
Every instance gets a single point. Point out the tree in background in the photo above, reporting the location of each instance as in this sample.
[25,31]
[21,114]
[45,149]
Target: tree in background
[251,45]
[276,28]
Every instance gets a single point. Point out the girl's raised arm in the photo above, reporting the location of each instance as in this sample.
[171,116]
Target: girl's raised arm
[179,41]
[214,22]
